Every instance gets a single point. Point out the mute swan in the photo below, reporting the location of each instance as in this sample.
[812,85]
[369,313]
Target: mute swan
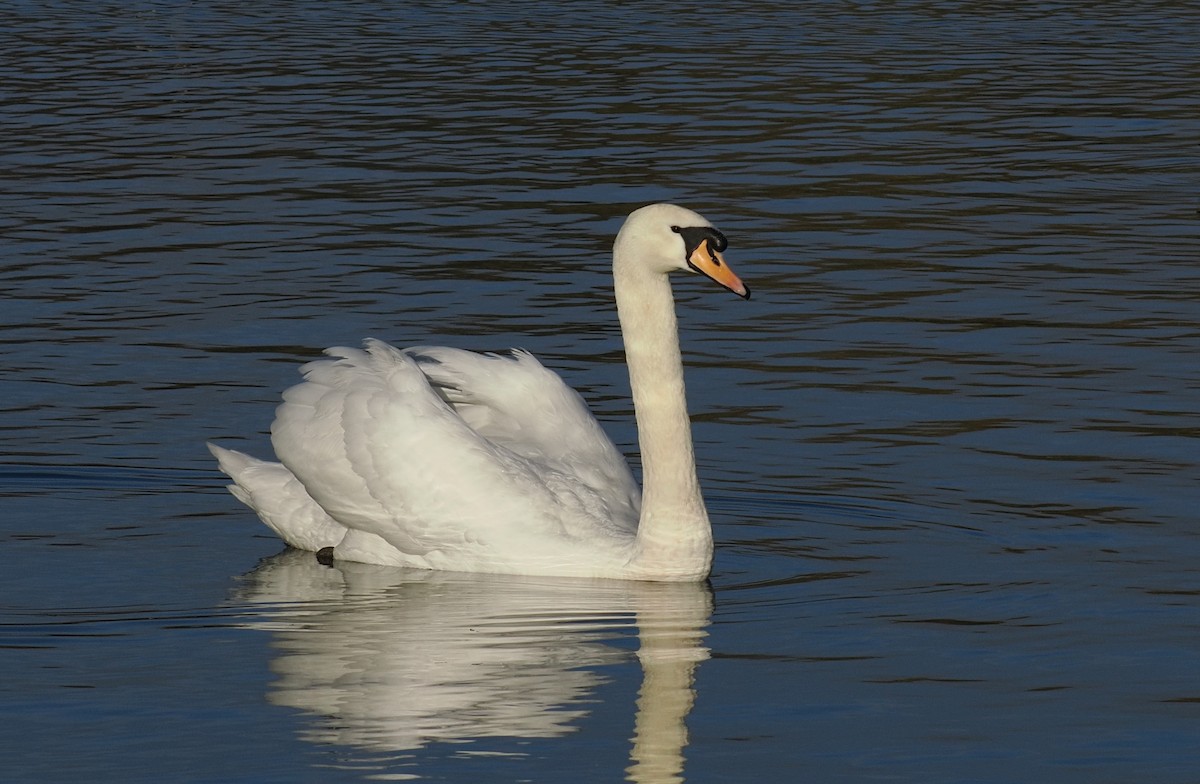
[440,458]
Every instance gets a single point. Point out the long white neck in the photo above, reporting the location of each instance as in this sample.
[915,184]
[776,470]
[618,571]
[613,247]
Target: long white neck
[674,535]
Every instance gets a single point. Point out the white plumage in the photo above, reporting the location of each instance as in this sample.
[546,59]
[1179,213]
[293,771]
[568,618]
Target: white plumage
[440,458]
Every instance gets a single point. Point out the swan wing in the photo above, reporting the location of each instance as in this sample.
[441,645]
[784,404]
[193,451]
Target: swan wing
[384,454]
[512,400]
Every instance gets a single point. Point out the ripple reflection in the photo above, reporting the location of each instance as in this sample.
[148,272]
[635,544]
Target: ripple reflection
[390,660]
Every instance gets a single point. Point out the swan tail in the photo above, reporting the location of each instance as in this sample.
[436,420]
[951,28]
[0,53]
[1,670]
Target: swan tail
[279,499]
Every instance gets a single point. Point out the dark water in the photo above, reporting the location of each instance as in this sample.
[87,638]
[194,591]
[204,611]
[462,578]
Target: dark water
[950,447]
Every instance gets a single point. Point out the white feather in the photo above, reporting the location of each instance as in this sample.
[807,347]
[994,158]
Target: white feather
[441,458]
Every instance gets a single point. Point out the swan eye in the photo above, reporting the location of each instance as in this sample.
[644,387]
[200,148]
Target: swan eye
[676,229]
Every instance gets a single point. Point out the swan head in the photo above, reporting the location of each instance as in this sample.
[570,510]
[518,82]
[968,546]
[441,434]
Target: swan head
[665,237]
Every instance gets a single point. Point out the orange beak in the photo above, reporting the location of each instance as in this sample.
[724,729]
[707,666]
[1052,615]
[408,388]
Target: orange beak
[710,262]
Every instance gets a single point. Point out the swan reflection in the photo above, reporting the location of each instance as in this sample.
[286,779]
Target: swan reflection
[387,659]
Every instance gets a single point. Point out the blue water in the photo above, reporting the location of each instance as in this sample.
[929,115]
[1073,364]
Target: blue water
[950,446]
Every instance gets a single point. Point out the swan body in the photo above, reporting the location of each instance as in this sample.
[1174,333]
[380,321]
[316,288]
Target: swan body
[440,458]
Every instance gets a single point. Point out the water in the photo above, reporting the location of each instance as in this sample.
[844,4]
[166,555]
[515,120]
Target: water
[950,447]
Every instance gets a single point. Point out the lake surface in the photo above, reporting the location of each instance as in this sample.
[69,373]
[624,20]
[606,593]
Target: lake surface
[950,447]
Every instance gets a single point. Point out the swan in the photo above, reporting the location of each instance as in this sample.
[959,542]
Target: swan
[440,458]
